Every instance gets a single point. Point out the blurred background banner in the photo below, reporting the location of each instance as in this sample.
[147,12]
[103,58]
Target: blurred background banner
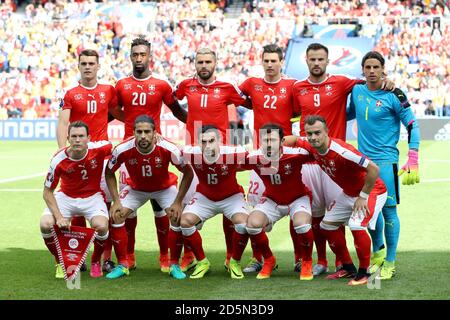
[345,55]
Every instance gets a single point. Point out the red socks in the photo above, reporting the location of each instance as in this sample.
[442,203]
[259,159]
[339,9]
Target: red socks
[363,247]
[239,244]
[195,242]
[162,231]
[228,230]
[130,226]
[120,240]
[175,244]
[261,241]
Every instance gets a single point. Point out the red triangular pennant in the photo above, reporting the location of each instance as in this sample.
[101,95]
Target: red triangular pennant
[73,246]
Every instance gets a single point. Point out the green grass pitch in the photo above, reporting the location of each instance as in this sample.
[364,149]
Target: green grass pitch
[27,272]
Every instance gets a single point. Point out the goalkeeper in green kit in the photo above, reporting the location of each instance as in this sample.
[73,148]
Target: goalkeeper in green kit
[378,114]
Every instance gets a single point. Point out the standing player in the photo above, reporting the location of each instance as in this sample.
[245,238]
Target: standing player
[280,169]
[79,167]
[144,92]
[376,111]
[361,199]
[207,100]
[272,102]
[147,162]
[218,191]
[326,95]
[90,102]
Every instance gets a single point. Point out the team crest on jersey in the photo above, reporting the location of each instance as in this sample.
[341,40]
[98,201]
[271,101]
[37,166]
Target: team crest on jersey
[158,162]
[328,87]
[283,90]
[331,162]
[127,86]
[78,96]
[151,88]
[258,88]
[192,88]
[288,168]
[102,97]
[379,103]
[198,167]
[93,163]
[224,169]
[216,92]
[360,97]
[133,161]
[70,170]
[304,92]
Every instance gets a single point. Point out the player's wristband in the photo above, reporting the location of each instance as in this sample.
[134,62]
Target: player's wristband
[363,195]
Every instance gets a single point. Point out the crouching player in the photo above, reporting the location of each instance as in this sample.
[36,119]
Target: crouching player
[285,194]
[79,167]
[362,198]
[217,192]
[147,162]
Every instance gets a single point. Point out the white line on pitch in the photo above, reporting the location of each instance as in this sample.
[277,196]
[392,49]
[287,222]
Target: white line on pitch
[35,175]
[435,180]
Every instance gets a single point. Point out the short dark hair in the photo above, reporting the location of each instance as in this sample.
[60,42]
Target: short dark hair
[310,120]
[269,127]
[144,118]
[78,124]
[88,53]
[316,46]
[141,41]
[372,55]
[273,48]
[209,127]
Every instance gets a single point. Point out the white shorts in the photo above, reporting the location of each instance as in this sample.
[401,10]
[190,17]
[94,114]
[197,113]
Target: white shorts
[133,199]
[87,207]
[205,208]
[103,184]
[324,190]
[275,212]
[341,211]
[256,189]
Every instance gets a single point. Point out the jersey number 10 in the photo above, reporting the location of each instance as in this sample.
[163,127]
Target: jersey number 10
[92,106]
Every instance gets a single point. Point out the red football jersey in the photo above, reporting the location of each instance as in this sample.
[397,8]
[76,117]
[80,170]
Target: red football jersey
[148,172]
[328,99]
[271,102]
[217,181]
[91,106]
[143,96]
[79,178]
[207,104]
[343,164]
[282,179]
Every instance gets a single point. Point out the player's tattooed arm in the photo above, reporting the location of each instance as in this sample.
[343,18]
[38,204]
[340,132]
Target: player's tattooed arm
[50,200]
[178,111]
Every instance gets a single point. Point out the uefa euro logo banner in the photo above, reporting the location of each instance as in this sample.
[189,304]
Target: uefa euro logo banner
[72,246]
[345,56]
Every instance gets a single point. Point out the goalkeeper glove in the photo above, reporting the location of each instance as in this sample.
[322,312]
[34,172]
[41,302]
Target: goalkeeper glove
[411,168]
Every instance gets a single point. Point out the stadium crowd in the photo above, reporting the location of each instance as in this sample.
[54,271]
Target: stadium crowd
[38,47]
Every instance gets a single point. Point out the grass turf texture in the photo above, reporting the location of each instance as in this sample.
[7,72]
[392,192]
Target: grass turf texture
[423,262]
